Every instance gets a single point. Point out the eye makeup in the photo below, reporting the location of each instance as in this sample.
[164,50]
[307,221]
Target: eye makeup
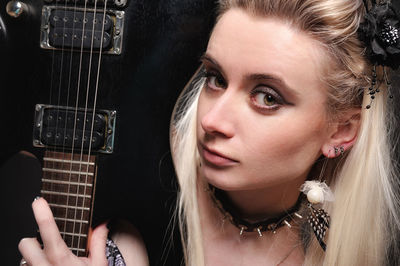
[264,96]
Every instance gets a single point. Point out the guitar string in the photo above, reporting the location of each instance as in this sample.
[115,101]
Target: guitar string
[64,228]
[84,125]
[76,111]
[52,174]
[64,19]
[94,108]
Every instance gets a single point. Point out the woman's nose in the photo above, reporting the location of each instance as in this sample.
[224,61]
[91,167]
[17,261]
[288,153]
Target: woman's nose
[219,118]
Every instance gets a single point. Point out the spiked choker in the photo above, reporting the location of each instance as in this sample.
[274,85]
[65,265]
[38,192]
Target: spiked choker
[225,206]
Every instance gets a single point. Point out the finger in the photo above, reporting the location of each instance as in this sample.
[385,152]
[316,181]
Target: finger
[97,245]
[32,252]
[52,241]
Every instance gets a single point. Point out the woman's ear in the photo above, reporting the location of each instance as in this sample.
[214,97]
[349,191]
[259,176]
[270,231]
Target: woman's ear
[343,133]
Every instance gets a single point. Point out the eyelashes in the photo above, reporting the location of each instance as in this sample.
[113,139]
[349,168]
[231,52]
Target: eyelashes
[215,80]
[266,98]
[262,97]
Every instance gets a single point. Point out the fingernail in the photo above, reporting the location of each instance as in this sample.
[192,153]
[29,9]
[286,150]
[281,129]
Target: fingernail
[36,198]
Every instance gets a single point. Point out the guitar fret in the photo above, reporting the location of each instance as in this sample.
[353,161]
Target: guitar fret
[68,185]
[64,194]
[69,207]
[78,249]
[65,182]
[71,220]
[67,161]
[66,171]
[73,234]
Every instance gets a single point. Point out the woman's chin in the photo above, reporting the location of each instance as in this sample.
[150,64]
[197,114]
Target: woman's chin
[227,184]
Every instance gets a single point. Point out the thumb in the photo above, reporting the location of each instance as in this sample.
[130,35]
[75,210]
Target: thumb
[97,245]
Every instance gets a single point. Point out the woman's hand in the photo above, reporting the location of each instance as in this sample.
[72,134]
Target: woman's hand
[55,251]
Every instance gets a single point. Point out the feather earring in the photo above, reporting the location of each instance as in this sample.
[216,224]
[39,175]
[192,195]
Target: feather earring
[319,220]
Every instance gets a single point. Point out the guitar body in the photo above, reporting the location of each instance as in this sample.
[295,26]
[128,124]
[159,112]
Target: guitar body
[138,81]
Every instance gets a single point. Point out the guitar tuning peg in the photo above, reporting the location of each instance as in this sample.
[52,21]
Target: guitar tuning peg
[16,8]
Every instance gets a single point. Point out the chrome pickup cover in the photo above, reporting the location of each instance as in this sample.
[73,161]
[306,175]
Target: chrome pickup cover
[67,27]
[117,3]
[57,126]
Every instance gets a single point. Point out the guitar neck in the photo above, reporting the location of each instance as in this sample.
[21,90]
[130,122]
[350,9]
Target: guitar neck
[68,185]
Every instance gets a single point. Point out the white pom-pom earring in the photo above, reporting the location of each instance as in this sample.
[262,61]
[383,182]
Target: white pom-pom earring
[317,192]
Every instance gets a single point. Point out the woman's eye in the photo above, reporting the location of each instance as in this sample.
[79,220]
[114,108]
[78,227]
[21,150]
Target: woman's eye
[263,98]
[215,81]
[266,99]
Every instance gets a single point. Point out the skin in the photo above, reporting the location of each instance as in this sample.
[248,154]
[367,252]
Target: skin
[262,124]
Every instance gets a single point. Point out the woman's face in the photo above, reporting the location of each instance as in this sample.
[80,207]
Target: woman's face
[261,119]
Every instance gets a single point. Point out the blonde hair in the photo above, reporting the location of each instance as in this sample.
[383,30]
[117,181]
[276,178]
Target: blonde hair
[365,214]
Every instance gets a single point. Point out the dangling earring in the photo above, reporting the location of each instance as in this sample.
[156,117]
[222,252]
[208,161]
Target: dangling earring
[317,193]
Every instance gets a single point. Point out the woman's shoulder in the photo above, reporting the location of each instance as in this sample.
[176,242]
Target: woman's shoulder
[129,243]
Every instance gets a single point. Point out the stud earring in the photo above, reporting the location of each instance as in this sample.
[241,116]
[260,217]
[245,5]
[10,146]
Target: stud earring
[319,220]
[339,150]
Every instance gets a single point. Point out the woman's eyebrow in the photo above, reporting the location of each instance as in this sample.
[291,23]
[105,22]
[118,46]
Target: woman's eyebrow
[273,78]
[206,57]
[253,77]
[210,59]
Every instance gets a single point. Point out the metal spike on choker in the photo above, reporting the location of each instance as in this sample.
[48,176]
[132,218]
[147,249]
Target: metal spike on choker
[225,206]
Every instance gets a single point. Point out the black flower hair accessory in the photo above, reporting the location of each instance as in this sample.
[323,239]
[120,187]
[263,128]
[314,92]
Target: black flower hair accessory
[380,34]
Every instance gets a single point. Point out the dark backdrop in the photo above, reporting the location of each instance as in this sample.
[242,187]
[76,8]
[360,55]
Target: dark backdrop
[161,49]
[164,40]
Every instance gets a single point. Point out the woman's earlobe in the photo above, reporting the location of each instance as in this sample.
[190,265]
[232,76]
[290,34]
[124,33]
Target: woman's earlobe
[329,151]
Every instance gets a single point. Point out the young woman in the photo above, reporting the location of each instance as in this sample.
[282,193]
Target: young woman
[282,101]
[286,86]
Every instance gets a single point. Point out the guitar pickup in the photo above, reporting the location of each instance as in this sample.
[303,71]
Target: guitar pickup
[116,3]
[64,28]
[69,129]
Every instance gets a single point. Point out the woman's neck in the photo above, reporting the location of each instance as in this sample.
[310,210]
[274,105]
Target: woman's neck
[251,205]
[263,203]
[219,233]
[267,202]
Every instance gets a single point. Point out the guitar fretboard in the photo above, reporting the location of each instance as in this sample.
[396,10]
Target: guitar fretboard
[68,186]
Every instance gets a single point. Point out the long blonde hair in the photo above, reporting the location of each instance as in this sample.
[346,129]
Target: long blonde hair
[365,214]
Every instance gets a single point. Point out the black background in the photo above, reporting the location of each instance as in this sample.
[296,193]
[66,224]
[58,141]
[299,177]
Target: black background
[163,42]
[161,48]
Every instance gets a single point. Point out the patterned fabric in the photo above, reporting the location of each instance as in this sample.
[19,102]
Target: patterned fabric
[113,254]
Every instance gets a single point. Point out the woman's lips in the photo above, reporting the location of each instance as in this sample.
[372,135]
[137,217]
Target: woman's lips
[215,158]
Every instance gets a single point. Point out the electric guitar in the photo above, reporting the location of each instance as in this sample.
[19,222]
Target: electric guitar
[89,87]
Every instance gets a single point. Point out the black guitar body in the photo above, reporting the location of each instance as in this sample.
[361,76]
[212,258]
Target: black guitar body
[162,41]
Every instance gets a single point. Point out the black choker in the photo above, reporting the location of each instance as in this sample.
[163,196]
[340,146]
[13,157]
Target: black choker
[225,206]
